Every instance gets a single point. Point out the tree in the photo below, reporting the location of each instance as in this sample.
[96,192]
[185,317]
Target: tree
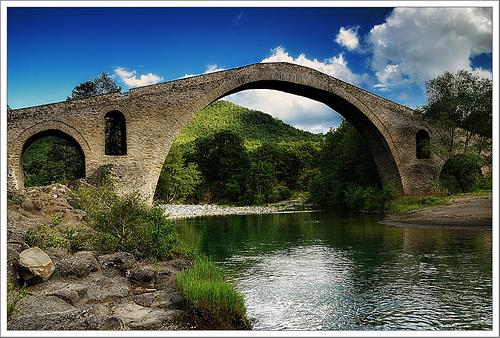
[346,161]
[223,161]
[460,104]
[102,84]
[177,181]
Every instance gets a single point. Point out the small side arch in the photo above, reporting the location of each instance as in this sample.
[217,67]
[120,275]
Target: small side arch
[115,133]
[32,133]
[423,139]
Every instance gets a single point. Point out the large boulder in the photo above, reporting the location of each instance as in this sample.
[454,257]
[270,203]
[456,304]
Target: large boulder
[80,264]
[36,264]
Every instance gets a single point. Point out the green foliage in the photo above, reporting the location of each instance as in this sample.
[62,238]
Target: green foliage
[346,166]
[222,159]
[369,199]
[252,126]
[57,218]
[45,237]
[14,295]
[461,173]
[231,163]
[178,181]
[17,198]
[406,204]
[102,84]
[215,301]
[77,239]
[125,223]
[52,159]
[458,102]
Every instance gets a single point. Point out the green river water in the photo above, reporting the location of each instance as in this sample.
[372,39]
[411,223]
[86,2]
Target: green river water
[336,271]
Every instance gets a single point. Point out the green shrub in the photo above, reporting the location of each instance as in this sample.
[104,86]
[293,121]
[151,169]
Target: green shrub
[45,237]
[77,239]
[125,223]
[215,301]
[57,218]
[461,173]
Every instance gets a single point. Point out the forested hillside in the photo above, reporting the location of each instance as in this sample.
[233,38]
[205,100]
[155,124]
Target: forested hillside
[254,127]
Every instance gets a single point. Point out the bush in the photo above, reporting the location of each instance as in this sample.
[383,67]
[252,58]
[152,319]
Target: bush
[369,199]
[126,223]
[461,173]
[215,301]
[45,237]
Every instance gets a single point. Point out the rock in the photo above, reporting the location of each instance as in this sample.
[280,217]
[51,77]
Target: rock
[37,262]
[108,288]
[77,319]
[57,254]
[28,205]
[120,260]
[142,274]
[80,264]
[140,317]
[162,299]
[41,305]
[70,293]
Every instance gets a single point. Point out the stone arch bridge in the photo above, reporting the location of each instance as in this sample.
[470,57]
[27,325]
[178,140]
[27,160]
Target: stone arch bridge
[154,115]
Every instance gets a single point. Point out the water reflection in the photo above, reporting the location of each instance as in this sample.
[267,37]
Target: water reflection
[324,271]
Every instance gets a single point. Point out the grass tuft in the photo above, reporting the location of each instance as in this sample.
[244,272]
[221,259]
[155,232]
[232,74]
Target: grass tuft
[216,302]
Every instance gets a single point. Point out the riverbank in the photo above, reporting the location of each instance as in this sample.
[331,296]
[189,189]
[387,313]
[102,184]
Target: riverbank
[180,211]
[59,280]
[462,211]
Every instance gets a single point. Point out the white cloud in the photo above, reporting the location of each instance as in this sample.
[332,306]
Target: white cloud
[348,37]
[418,44]
[298,111]
[131,80]
[335,66]
[210,69]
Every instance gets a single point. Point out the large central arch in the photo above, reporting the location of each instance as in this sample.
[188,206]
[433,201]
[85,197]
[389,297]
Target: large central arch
[317,87]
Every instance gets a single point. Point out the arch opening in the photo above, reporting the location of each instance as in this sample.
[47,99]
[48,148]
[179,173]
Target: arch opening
[51,156]
[377,142]
[423,150]
[115,134]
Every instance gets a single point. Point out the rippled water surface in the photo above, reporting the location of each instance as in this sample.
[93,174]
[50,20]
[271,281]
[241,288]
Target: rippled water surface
[331,271]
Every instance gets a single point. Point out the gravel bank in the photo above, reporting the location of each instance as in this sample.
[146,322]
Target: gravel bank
[465,212]
[177,211]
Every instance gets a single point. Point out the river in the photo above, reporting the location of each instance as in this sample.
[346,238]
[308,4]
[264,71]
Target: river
[339,271]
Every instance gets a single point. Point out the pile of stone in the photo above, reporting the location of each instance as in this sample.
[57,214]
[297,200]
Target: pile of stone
[108,292]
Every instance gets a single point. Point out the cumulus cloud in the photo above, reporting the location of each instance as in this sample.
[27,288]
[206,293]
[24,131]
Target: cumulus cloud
[210,69]
[130,78]
[335,66]
[296,110]
[417,44]
[348,37]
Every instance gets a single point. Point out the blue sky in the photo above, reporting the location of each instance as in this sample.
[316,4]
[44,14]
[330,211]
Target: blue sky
[391,52]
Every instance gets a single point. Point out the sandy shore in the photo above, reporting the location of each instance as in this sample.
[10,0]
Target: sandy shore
[464,212]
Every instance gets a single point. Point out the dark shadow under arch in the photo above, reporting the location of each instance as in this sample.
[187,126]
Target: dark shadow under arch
[423,150]
[115,134]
